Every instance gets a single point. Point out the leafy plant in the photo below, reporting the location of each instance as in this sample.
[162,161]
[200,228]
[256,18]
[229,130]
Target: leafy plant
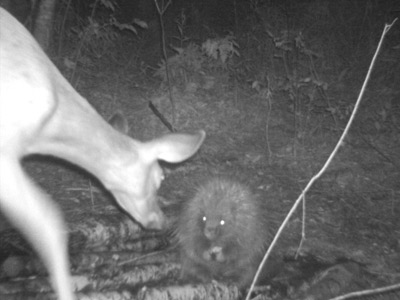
[180,22]
[193,62]
[221,49]
[98,36]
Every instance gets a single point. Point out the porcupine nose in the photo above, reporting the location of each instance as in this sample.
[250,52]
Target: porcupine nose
[210,232]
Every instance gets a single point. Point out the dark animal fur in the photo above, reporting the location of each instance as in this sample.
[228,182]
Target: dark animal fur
[223,233]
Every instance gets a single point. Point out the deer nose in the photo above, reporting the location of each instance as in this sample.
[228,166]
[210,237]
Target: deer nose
[155,221]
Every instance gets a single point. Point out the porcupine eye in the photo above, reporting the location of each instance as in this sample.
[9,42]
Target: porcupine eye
[203,222]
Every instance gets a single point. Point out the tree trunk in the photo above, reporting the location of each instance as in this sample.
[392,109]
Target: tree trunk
[43,23]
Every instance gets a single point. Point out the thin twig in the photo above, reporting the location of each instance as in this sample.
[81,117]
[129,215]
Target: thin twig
[335,150]
[161,11]
[161,117]
[381,290]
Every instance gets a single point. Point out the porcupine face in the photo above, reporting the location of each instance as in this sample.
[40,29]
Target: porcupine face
[214,226]
[216,221]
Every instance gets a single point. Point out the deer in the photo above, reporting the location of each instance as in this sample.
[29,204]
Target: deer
[41,113]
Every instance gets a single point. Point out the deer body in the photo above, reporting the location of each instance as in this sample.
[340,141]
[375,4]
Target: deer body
[40,112]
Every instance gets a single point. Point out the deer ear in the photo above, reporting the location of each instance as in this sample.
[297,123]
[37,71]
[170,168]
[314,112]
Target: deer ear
[176,147]
[119,122]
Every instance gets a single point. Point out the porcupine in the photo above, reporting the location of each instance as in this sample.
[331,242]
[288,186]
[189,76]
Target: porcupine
[223,232]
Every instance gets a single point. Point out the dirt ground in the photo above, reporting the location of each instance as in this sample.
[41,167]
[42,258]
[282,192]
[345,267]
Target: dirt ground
[272,115]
